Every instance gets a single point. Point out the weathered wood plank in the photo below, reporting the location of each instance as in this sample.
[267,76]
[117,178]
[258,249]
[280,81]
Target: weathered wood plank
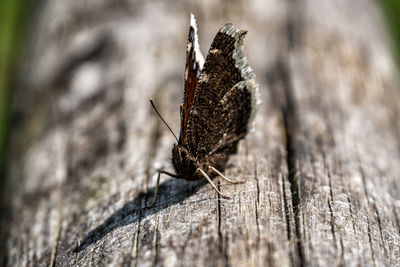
[345,142]
[321,167]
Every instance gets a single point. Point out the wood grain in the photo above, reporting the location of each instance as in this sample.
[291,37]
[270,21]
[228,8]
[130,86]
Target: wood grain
[321,167]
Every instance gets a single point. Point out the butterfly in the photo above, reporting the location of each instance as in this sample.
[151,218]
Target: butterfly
[220,96]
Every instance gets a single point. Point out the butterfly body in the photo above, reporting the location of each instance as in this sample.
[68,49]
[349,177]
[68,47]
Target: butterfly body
[186,164]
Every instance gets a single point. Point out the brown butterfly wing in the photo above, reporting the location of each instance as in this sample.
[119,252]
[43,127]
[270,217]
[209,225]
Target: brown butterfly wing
[194,65]
[223,100]
[228,124]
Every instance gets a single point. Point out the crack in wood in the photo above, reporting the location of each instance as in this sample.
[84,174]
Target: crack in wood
[290,121]
[307,236]
[135,247]
[155,244]
[187,240]
[370,241]
[221,246]
[63,188]
[56,239]
[330,208]
[380,229]
[351,215]
[277,79]
[332,224]
[368,210]
[78,254]
[342,250]
[257,203]
[286,206]
[397,220]
[287,218]
[289,114]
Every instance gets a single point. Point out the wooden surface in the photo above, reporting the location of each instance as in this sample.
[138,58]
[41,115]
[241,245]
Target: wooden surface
[321,168]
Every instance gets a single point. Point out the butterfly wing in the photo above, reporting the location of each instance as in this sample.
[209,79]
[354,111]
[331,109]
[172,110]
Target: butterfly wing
[224,98]
[229,123]
[194,65]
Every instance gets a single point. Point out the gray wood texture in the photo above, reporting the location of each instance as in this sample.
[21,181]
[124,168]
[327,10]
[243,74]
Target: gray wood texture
[321,167]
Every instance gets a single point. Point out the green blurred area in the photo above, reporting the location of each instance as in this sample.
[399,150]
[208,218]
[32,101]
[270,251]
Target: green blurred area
[12,19]
[391,10]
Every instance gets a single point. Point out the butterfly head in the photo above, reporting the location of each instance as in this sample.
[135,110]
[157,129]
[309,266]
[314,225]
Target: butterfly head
[184,163]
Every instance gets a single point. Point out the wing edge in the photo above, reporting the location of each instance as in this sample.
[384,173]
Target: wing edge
[247,73]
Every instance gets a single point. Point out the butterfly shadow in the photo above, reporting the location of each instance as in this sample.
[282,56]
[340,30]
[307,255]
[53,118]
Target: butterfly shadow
[171,192]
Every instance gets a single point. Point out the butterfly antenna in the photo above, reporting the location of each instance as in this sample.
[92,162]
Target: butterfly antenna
[155,109]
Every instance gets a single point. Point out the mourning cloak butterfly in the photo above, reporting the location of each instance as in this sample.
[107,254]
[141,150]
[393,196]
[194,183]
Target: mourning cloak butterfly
[219,103]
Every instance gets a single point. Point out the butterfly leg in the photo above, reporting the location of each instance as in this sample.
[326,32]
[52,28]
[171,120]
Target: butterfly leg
[211,183]
[158,185]
[156,192]
[223,176]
